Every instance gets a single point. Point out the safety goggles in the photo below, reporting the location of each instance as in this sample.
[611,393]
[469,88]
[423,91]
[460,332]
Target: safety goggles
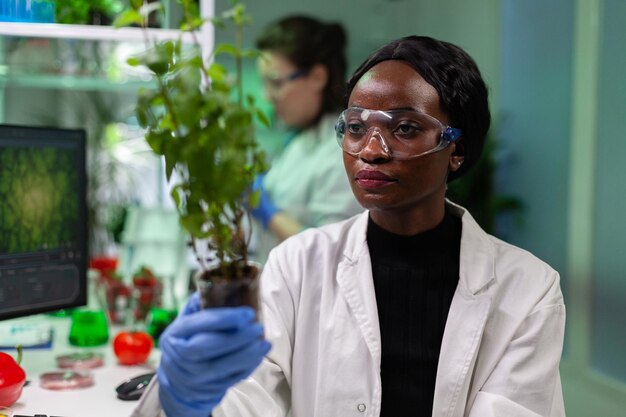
[276,83]
[403,134]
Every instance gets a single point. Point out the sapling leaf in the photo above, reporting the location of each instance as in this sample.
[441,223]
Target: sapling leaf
[192,24]
[127,18]
[262,117]
[142,116]
[169,49]
[225,48]
[170,164]
[218,22]
[157,62]
[195,62]
[175,193]
[133,62]
[157,140]
[178,46]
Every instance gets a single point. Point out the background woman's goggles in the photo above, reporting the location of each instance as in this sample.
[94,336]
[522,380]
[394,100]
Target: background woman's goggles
[402,134]
[276,83]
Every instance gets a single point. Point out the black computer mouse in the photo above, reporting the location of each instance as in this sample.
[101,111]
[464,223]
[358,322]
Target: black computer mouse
[131,389]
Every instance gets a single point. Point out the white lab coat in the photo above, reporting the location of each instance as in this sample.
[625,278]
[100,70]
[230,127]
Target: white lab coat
[500,351]
[308,181]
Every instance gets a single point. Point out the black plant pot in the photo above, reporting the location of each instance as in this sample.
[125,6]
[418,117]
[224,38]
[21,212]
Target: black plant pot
[217,290]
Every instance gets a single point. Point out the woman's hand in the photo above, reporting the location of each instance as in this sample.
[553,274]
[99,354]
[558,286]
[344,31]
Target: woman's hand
[205,352]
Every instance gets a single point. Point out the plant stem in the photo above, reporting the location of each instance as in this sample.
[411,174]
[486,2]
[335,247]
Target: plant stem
[196,41]
[238,63]
[195,252]
[19,354]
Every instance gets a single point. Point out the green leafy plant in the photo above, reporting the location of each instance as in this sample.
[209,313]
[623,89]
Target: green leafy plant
[199,120]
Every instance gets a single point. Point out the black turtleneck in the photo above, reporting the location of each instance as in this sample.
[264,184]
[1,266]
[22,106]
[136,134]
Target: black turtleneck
[415,278]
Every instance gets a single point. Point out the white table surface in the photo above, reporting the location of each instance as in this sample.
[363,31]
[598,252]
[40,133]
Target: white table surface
[99,400]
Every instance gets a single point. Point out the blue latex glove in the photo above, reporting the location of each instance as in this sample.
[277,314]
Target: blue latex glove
[265,210]
[205,352]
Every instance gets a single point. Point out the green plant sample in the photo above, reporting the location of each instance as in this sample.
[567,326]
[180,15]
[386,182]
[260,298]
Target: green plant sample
[200,121]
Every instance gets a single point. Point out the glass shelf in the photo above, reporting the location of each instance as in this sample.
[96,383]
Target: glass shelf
[88,32]
[85,57]
[71,82]
[71,64]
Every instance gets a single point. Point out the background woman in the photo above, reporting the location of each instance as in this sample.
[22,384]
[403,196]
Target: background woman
[303,67]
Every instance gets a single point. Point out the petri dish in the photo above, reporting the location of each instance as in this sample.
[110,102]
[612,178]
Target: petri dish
[80,360]
[65,380]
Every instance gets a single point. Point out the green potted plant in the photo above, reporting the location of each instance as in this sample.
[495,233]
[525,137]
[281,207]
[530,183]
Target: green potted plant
[199,120]
[95,12]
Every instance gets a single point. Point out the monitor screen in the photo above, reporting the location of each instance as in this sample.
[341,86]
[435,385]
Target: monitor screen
[43,220]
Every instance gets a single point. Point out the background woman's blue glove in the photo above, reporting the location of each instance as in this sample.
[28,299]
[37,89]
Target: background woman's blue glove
[205,352]
[265,210]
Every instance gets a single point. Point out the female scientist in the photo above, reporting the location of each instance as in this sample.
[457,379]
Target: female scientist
[303,67]
[409,309]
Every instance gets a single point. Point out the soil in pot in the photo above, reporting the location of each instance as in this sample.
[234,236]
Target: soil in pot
[217,290]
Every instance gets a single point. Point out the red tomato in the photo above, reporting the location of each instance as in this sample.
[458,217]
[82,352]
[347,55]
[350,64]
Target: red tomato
[132,348]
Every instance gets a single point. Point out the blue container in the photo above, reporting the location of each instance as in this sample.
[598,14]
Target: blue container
[39,11]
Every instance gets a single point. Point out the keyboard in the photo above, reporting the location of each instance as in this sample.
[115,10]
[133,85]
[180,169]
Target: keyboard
[36,415]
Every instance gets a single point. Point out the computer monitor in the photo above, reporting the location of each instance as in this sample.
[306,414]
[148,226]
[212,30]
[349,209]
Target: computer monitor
[43,220]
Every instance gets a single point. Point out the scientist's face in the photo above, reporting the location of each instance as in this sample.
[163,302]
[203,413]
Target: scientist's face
[395,190]
[295,93]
